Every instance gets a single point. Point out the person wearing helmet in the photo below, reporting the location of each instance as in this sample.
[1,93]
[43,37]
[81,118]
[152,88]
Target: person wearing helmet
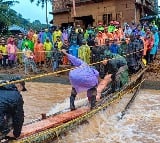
[117,66]
[111,27]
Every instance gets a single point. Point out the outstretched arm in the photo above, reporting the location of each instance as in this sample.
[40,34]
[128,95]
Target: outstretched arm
[74,60]
[102,85]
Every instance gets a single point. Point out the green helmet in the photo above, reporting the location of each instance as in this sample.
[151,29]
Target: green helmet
[107,54]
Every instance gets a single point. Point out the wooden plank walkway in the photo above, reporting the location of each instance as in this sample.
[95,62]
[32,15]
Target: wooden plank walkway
[52,122]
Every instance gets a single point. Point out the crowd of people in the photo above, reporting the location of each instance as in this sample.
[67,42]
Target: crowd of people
[118,52]
[44,48]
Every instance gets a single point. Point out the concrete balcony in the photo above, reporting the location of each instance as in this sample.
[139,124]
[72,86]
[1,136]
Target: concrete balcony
[79,2]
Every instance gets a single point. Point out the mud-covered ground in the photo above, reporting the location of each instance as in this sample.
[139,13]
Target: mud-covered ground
[152,75]
[6,74]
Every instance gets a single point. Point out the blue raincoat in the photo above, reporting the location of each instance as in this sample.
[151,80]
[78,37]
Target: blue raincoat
[155,46]
[114,48]
[73,50]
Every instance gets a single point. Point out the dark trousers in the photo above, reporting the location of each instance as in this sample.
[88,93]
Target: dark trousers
[91,98]
[8,128]
[148,57]
[5,57]
[72,98]
[11,63]
[0,62]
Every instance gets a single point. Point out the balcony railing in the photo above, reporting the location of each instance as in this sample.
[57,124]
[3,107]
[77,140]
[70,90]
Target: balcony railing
[61,10]
[60,4]
[79,2]
[63,5]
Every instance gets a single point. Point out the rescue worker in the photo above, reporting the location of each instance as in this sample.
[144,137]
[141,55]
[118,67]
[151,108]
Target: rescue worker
[11,109]
[122,50]
[117,66]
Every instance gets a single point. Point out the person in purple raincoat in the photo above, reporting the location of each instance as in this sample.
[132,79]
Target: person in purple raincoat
[64,35]
[84,78]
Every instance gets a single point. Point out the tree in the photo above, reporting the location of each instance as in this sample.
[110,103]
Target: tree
[43,3]
[5,13]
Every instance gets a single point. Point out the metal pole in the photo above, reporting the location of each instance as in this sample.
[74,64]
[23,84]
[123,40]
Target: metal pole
[46,13]
[135,14]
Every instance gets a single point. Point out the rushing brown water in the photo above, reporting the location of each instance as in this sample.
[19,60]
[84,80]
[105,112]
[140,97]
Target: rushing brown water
[41,97]
[141,123]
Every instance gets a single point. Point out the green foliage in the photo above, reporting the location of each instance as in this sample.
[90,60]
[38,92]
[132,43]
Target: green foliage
[43,2]
[6,14]
[9,17]
[36,25]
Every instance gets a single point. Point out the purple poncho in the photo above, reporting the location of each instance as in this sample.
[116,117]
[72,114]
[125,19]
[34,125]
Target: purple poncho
[83,77]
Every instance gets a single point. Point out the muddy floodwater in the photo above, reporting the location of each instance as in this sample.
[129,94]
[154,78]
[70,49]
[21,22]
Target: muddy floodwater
[140,124]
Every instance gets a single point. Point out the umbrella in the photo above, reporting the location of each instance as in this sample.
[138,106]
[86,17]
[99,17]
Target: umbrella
[151,17]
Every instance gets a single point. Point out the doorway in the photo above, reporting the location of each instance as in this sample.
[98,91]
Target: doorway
[86,20]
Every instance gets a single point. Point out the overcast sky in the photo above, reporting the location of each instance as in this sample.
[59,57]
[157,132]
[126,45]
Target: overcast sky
[31,11]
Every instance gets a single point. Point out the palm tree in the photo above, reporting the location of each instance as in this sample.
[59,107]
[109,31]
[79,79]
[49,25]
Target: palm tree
[43,3]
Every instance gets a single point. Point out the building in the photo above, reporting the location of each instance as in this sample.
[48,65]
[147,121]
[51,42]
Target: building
[93,11]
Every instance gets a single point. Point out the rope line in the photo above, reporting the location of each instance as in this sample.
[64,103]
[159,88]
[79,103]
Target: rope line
[21,51]
[58,72]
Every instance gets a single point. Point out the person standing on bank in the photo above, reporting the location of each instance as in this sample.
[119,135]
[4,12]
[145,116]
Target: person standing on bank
[11,109]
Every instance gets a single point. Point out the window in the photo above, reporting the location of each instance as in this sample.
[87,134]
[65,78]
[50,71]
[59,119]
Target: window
[107,18]
[119,16]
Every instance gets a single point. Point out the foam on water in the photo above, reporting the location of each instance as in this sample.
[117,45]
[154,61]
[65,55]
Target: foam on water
[139,125]
[64,106]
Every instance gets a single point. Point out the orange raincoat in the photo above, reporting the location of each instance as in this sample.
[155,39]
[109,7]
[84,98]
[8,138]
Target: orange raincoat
[39,53]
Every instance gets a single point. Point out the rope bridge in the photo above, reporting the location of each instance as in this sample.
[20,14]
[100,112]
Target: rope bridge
[52,133]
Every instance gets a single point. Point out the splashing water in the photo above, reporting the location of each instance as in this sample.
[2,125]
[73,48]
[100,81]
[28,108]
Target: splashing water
[48,98]
[64,106]
[139,125]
